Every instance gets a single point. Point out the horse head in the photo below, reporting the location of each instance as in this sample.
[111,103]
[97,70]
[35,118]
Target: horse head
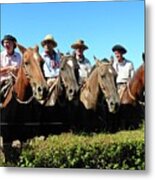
[106,80]
[69,76]
[31,66]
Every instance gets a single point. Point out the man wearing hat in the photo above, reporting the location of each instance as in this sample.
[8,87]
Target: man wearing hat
[84,64]
[51,58]
[123,67]
[9,62]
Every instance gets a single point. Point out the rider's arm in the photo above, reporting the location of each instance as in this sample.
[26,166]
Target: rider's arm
[7,69]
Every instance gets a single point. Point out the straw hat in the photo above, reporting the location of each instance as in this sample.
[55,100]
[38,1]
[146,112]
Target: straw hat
[119,48]
[10,38]
[79,44]
[49,38]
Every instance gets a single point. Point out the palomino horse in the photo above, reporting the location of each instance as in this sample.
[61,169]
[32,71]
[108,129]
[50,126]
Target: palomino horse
[30,82]
[99,86]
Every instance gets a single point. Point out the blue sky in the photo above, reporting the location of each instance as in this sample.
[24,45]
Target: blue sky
[100,24]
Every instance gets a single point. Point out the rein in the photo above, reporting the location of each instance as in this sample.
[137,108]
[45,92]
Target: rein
[132,97]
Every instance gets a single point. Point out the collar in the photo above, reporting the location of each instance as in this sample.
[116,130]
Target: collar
[47,55]
[123,62]
[14,54]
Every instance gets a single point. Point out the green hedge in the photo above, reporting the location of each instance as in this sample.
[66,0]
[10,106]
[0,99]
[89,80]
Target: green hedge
[124,150]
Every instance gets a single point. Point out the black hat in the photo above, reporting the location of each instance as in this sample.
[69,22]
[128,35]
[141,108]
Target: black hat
[119,48]
[9,37]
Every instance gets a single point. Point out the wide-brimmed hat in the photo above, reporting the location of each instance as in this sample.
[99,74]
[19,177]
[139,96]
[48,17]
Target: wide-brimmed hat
[79,44]
[47,39]
[119,48]
[10,38]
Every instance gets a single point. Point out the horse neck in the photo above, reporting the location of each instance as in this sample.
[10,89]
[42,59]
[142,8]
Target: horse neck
[22,86]
[90,92]
[136,85]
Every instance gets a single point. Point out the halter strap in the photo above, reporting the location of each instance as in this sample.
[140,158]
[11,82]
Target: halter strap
[25,102]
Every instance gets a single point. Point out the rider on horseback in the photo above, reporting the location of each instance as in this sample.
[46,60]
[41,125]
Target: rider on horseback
[83,62]
[9,64]
[51,65]
[123,67]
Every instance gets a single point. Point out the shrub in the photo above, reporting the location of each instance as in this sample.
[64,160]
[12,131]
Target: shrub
[124,150]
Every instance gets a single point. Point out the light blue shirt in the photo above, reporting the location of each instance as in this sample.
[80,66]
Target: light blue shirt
[49,70]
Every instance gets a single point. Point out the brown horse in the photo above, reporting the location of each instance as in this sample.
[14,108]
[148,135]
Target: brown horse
[65,86]
[132,108]
[135,87]
[29,82]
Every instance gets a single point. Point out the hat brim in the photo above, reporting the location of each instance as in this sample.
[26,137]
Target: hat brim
[120,49]
[53,42]
[77,46]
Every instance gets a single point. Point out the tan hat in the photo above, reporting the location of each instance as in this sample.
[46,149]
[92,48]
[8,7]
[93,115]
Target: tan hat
[49,38]
[79,44]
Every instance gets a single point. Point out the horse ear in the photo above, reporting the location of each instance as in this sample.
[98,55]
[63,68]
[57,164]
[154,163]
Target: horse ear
[111,60]
[95,58]
[36,48]
[98,63]
[21,48]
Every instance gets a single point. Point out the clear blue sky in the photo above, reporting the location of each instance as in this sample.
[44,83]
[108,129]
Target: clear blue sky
[100,24]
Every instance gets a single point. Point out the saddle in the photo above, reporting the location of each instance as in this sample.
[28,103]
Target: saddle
[5,88]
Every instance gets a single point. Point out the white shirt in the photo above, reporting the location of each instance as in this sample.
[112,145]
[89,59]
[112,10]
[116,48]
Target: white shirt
[7,60]
[84,68]
[125,70]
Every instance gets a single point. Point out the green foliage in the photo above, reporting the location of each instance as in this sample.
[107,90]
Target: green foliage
[124,150]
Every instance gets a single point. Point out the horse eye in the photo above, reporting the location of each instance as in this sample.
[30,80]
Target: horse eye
[26,63]
[103,76]
[62,68]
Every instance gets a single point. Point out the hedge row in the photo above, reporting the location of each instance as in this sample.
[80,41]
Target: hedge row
[124,150]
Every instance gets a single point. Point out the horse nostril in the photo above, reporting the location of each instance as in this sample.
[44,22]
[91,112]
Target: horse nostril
[39,89]
[70,91]
[111,104]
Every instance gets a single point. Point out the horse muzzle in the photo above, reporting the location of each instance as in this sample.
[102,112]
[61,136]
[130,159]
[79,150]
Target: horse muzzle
[113,105]
[40,92]
[71,94]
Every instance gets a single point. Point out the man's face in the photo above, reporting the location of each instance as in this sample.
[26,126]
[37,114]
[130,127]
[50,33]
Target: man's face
[79,52]
[119,56]
[48,46]
[9,46]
